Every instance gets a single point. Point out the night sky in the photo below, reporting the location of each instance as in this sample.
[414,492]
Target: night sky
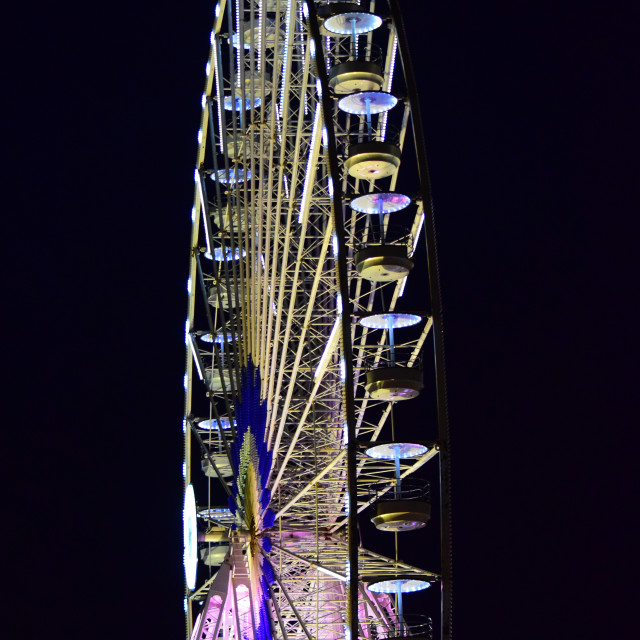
[530,115]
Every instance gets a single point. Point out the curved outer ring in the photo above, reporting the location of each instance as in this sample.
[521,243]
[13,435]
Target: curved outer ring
[438,331]
[436,306]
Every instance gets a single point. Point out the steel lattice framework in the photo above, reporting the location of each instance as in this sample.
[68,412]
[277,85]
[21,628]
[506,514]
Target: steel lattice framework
[273,283]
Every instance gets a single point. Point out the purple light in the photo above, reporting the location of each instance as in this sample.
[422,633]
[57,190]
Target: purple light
[404,450]
[368,101]
[373,202]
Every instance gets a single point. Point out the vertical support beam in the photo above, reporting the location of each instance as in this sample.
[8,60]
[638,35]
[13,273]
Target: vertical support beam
[438,334]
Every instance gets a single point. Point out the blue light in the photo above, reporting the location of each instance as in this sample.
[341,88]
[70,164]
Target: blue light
[234,175]
[212,425]
[390,320]
[229,104]
[216,513]
[219,337]
[390,585]
[357,22]
[403,449]
[373,101]
[222,254]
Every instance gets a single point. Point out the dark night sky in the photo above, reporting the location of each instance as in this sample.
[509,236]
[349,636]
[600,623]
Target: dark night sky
[529,111]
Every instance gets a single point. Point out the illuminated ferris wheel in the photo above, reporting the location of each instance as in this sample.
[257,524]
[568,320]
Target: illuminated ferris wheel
[300,349]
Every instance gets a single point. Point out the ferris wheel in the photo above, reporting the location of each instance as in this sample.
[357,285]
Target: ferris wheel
[312,210]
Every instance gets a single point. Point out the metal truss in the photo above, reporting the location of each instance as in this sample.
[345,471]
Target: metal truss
[263,286]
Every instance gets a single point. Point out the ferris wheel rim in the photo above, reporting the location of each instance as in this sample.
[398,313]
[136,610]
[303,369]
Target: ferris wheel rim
[247,290]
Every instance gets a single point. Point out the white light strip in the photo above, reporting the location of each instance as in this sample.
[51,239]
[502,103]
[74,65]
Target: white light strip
[195,356]
[203,205]
[383,129]
[238,52]
[302,53]
[328,48]
[302,34]
[417,237]
[392,64]
[312,163]
[328,350]
[404,281]
[278,122]
[219,98]
[260,19]
[285,53]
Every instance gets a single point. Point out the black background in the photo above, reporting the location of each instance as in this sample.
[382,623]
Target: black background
[530,121]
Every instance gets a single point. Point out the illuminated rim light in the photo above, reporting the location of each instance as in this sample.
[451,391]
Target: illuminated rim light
[216,513]
[190,532]
[379,102]
[222,254]
[219,337]
[235,40]
[212,425]
[234,176]
[404,450]
[228,103]
[370,203]
[390,320]
[342,24]
[390,585]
